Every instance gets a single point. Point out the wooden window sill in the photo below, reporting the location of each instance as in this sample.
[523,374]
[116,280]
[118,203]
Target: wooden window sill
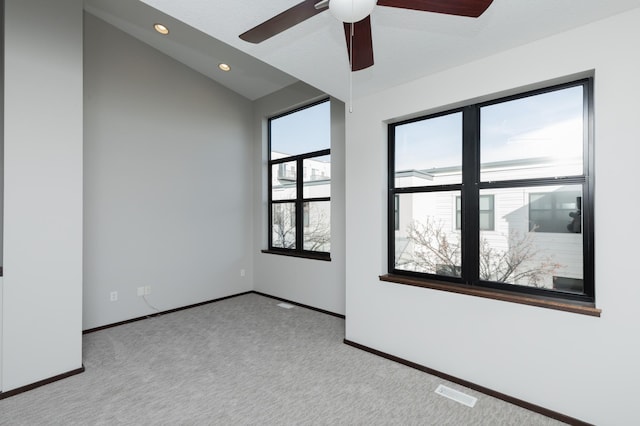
[542,302]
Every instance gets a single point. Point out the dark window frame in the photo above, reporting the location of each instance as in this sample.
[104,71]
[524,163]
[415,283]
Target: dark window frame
[299,201]
[470,191]
[396,212]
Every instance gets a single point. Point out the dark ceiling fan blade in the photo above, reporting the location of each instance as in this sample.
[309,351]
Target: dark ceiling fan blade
[362,44]
[471,8]
[283,21]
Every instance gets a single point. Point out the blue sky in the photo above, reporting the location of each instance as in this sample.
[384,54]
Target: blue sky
[544,125]
[303,131]
[426,144]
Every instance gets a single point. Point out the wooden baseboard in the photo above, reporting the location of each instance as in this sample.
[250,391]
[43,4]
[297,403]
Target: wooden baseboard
[37,384]
[115,324]
[182,308]
[300,304]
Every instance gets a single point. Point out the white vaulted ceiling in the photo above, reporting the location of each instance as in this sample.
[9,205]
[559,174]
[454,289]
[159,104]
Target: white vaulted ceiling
[407,44]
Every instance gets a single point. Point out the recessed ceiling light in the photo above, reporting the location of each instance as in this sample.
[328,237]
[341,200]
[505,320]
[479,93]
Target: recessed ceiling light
[224,67]
[161,29]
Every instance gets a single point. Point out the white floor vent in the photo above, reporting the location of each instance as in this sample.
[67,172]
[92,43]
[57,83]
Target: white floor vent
[285,305]
[460,397]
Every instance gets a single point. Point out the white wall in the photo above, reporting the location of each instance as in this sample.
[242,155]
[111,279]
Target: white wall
[1,327]
[42,298]
[1,167]
[168,181]
[1,144]
[581,366]
[315,283]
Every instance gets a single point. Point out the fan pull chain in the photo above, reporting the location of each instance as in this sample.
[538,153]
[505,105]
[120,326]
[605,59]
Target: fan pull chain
[351,70]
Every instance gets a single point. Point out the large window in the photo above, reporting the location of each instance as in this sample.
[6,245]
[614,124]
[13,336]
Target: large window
[497,194]
[300,182]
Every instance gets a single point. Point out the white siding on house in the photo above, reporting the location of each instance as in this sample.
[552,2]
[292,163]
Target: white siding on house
[513,226]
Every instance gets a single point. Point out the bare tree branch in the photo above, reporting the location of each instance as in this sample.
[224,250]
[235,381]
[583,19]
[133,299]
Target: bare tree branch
[316,237]
[433,250]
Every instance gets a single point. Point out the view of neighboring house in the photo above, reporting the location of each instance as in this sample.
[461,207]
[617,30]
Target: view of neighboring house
[316,176]
[541,223]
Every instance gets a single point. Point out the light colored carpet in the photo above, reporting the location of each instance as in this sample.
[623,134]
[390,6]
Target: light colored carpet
[246,361]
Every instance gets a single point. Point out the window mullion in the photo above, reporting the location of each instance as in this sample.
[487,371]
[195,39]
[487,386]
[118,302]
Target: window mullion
[391,199]
[470,232]
[299,204]
[270,204]
[269,189]
[587,194]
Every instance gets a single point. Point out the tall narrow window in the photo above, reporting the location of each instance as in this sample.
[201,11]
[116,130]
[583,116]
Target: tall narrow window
[300,182]
[498,194]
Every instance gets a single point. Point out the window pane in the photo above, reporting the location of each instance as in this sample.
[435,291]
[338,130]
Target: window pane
[486,202]
[283,225]
[317,226]
[516,253]
[429,152]
[303,131]
[317,177]
[532,137]
[557,211]
[427,239]
[486,212]
[486,221]
[283,181]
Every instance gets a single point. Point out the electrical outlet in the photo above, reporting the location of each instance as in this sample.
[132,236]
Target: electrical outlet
[242,272]
[147,290]
[140,291]
[113,296]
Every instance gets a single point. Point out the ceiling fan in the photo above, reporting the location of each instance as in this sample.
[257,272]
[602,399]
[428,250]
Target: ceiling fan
[356,12]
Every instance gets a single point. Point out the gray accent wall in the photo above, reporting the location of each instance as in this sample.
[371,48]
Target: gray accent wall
[1,144]
[1,171]
[168,181]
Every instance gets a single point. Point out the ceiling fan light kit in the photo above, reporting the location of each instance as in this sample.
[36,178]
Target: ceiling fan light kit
[357,24]
[350,11]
